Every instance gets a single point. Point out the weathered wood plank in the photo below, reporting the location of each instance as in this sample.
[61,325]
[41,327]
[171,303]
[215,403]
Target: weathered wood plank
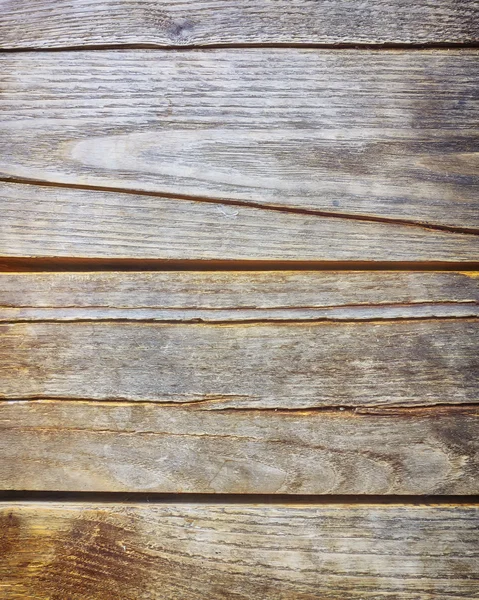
[57,23]
[262,364]
[223,296]
[188,551]
[55,222]
[377,135]
[141,447]
[255,290]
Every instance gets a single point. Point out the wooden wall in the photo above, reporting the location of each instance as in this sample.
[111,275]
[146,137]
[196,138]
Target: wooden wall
[239,300]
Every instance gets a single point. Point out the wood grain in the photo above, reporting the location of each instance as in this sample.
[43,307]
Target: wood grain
[92,446]
[264,364]
[187,551]
[225,296]
[39,222]
[57,23]
[372,135]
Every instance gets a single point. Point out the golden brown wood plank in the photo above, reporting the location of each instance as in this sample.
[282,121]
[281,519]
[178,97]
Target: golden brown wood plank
[145,447]
[57,23]
[264,364]
[377,135]
[41,222]
[192,552]
[237,296]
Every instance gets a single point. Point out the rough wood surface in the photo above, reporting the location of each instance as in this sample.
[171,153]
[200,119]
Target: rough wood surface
[237,296]
[191,552]
[141,447]
[62,23]
[263,364]
[377,135]
[56,222]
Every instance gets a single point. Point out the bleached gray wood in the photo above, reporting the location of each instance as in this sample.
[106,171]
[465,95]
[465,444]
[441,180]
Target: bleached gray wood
[57,23]
[237,296]
[39,221]
[145,447]
[385,135]
[404,362]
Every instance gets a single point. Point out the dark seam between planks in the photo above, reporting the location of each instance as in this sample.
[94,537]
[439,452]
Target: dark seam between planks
[247,204]
[232,499]
[239,322]
[40,264]
[379,46]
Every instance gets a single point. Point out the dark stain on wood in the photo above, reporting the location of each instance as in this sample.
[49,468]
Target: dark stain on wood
[10,526]
[94,560]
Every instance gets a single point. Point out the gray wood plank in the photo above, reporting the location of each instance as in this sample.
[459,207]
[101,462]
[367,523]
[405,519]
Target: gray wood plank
[255,290]
[57,23]
[371,135]
[39,222]
[396,362]
[146,447]
[225,296]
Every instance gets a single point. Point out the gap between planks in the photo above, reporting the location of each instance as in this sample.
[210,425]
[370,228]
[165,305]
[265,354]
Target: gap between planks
[380,47]
[85,265]
[25,496]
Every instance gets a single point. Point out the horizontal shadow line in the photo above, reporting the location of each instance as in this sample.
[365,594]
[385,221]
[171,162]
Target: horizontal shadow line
[380,46]
[58,264]
[231,499]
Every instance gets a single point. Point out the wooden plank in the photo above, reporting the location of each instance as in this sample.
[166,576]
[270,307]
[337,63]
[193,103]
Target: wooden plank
[41,222]
[225,296]
[372,135]
[264,364]
[188,551]
[146,447]
[57,23]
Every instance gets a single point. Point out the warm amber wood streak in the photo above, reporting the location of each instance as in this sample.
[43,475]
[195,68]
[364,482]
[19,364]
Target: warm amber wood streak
[56,23]
[388,135]
[136,447]
[265,364]
[40,221]
[192,552]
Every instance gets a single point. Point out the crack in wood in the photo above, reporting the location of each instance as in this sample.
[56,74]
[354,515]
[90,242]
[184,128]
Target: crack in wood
[247,204]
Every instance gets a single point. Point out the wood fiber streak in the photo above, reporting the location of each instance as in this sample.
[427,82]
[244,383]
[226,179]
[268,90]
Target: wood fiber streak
[120,447]
[191,552]
[377,135]
[39,222]
[236,296]
[57,23]
[258,365]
